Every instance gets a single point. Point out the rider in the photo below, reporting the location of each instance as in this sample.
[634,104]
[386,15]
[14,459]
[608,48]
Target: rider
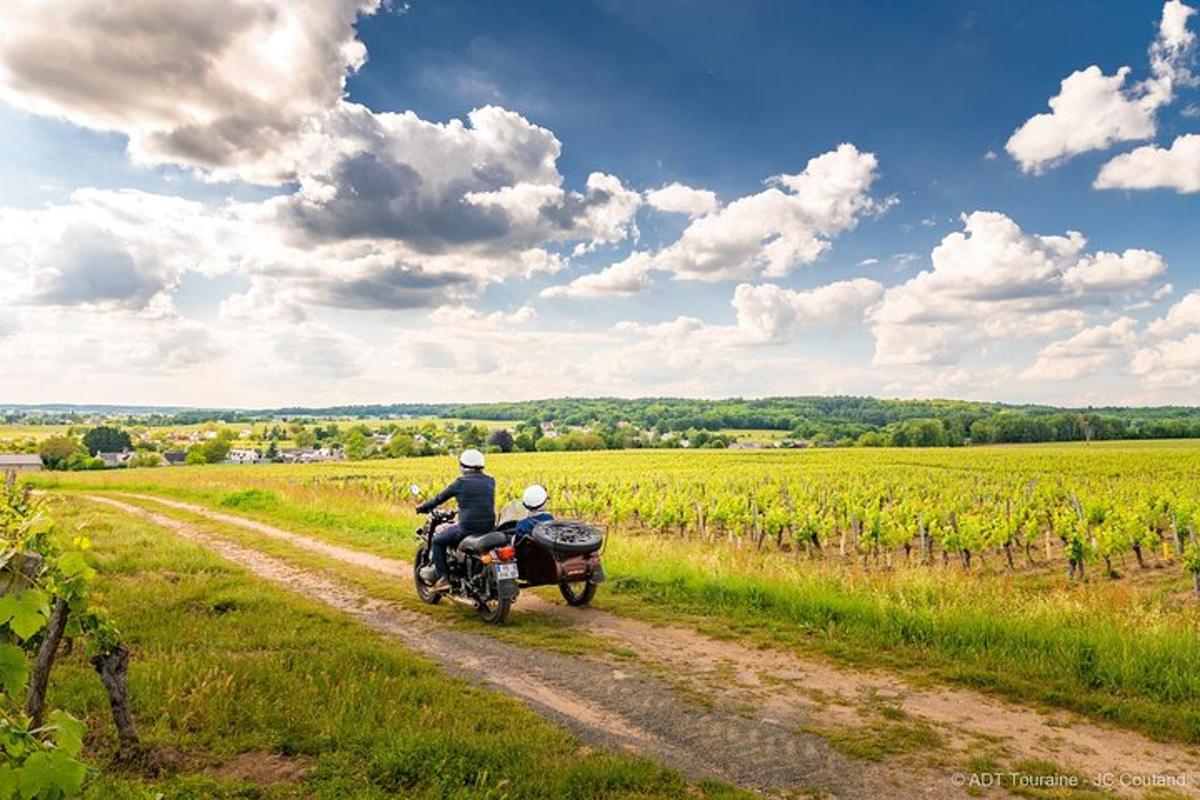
[534,502]
[476,495]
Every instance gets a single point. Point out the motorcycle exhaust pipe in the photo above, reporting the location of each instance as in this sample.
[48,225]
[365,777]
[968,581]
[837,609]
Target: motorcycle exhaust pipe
[466,601]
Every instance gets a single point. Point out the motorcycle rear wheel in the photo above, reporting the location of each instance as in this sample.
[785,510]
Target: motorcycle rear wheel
[493,611]
[423,588]
[576,596]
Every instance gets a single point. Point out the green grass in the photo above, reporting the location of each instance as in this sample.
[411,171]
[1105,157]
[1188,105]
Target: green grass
[881,739]
[225,665]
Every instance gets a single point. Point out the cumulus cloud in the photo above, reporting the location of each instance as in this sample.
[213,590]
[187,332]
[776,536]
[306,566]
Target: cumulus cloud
[677,198]
[108,248]
[1094,111]
[486,187]
[766,314]
[992,281]
[464,316]
[628,276]
[788,224]
[391,288]
[1084,353]
[1170,356]
[1182,317]
[240,88]
[254,89]
[1152,167]
[769,313]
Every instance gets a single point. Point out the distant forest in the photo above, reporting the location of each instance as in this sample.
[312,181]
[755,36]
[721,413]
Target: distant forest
[860,420]
[843,420]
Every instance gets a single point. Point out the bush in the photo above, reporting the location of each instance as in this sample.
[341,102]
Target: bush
[57,450]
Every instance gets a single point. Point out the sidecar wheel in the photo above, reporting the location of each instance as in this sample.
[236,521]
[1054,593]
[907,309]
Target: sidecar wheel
[576,594]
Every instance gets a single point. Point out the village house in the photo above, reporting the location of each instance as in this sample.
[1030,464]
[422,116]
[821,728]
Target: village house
[306,455]
[243,456]
[20,462]
[114,459]
[175,458]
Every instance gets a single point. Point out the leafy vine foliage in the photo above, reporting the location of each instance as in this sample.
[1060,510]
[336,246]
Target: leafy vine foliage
[44,595]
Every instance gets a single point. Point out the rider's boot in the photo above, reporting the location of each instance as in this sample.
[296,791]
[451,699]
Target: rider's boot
[442,585]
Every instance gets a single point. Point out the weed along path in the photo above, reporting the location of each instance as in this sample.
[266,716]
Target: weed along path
[763,719]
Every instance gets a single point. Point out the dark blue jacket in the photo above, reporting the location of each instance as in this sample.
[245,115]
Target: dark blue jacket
[476,496]
[525,526]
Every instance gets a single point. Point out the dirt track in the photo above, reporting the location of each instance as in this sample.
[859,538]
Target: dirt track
[757,703]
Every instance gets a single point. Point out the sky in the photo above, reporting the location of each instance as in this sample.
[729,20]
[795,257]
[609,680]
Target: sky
[254,203]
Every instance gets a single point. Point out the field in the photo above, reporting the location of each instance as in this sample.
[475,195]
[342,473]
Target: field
[1053,576]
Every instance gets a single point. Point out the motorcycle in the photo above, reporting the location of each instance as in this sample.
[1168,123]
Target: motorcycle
[482,569]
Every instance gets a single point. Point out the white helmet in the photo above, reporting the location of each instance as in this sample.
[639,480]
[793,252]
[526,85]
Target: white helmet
[471,459]
[534,497]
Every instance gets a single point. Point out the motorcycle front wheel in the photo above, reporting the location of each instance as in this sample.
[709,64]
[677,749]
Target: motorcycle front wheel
[493,610]
[423,589]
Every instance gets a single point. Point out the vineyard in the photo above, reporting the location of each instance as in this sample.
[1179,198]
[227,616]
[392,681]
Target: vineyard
[1060,573]
[1108,508]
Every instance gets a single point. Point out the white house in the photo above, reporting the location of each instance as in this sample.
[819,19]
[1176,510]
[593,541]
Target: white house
[114,459]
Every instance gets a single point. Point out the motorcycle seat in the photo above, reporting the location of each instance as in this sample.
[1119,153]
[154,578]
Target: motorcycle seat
[482,542]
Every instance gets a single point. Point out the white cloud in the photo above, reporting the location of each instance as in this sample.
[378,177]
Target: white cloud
[994,282]
[1182,317]
[769,313]
[766,314]
[769,233]
[1152,167]
[239,88]
[1084,353]
[1174,363]
[1112,272]
[109,248]
[1094,111]
[469,318]
[784,226]
[676,198]
[626,277]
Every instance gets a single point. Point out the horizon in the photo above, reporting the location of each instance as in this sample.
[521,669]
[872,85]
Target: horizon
[358,199]
[151,408]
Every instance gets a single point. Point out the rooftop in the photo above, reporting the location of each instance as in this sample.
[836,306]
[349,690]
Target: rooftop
[20,458]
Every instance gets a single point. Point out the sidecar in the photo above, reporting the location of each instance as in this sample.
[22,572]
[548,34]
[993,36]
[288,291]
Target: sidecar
[564,553]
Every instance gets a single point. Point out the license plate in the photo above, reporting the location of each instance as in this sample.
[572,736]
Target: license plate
[506,572]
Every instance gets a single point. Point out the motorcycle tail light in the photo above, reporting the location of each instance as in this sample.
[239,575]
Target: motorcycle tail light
[507,553]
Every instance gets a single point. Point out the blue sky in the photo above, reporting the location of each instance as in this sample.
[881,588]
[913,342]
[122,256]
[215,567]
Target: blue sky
[282,209]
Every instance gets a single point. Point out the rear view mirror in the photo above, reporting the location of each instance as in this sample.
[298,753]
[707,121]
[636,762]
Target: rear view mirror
[415,490]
